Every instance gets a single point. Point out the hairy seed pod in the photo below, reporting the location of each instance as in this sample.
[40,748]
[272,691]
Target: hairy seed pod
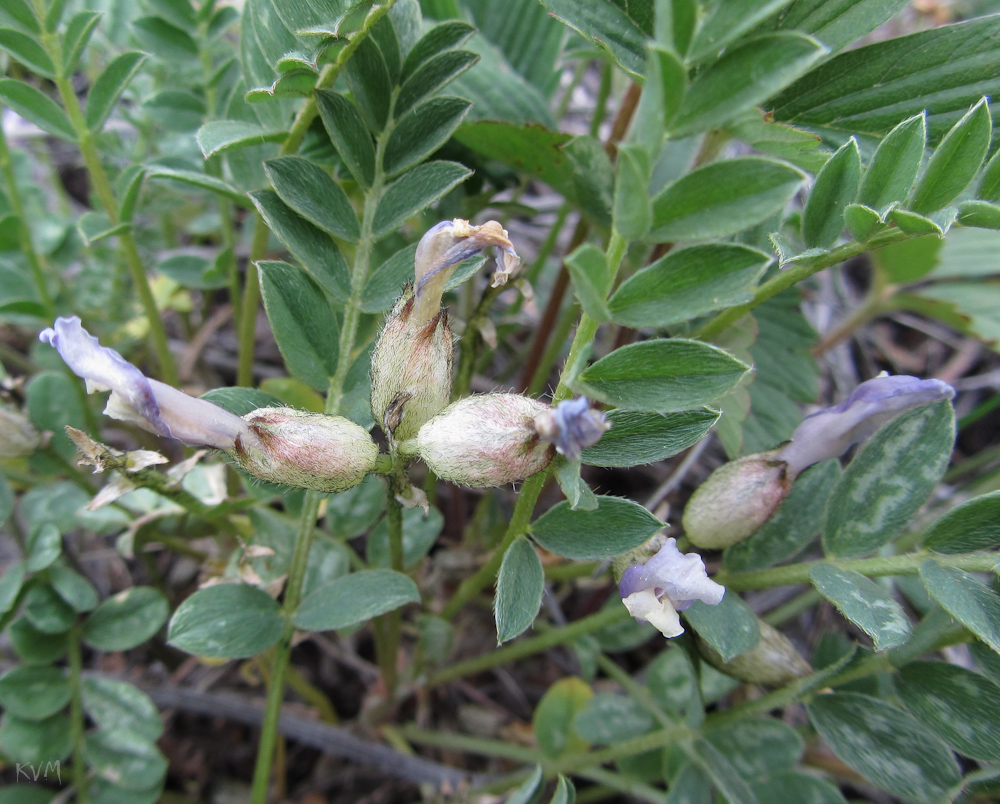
[306,450]
[736,499]
[774,662]
[411,370]
[485,440]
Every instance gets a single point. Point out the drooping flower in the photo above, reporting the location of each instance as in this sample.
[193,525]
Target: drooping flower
[150,404]
[412,359]
[668,583]
[442,248]
[740,496]
[831,432]
[572,425]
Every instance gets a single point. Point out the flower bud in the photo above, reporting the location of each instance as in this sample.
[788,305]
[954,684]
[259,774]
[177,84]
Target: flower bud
[668,583]
[306,450]
[18,436]
[736,499]
[411,370]
[485,440]
[773,662]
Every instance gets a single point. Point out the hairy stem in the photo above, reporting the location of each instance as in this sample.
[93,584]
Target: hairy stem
[76,716]
[791,276]
[906,564]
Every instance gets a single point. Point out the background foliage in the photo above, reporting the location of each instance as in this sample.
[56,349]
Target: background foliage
[736,209]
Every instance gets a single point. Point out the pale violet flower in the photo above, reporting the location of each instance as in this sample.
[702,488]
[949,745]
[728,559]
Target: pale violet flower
[148,403]
[742,495]
[442,248]
[572,425]
[830,432]
[668,583]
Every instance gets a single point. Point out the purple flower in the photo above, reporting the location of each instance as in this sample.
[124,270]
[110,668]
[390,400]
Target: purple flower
[445,245]
[668,583]
[150,404]
[573,425]
[829,433]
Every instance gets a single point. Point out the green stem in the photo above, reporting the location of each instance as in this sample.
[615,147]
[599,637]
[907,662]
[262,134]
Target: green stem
[798,690]
[573,763]
[213,167]
[310,508]
[793,608]
[76,715]
[906,564]
[27,246]
[635,690]
[530,646]
[105,195]
[791,276]
[875,303]
[559,335]
[486,574]
[549,244]
[623,784]
[247,323]
[388,630]
[283,650]
[472,340]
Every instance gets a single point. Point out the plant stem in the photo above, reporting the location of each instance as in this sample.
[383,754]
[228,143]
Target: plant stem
[791,276]
[247,323]
[622,783]
[560,333]
[388,629]
[875,303]
[472,340]
[76,715]
[519,522]
[905,564]
[528,647]
[793,608]
[572,763]
[105,195]
[283,650]
[310,508]
[27,246]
